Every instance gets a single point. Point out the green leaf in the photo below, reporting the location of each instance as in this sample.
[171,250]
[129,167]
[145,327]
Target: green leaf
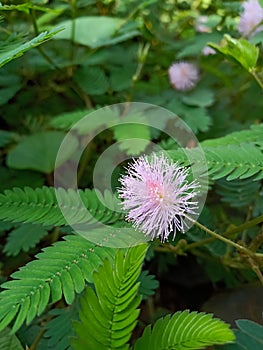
[185,330]
[40,205]
[238,193]
[236,156]
[9,341]
[199,97]
[6,137]
[148,284]
[241,50]
[92,80]
[59,329]
[109,30]
[45,279]
[19,178]
[195,117]
[133,135]
[23,238]
[249,336]
[108,315]
[121,77]
[39,151]
[13,52]
[253,329]
[10,84]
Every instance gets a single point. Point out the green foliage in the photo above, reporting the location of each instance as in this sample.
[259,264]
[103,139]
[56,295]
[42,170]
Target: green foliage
[237,156]
[10,84]
[59,329]
[6,137]
[23,238]
[109,30]
[148,284]
[40,205]
[241,50]
[26,155]
[9,341]
[60,270]
[95,54]
[249,336]
[238,193]
[12,51]
[253,136]
[185,330]
[109,314]
[92,80]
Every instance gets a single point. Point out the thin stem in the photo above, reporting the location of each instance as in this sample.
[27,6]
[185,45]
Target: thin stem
[254,74]
[246,225]
[73,28]
[224,239]
[228,233]
[37,340]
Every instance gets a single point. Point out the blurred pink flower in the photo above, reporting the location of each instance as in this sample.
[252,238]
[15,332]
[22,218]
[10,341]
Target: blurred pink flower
[201,24]
[250,18]
[157,195]
[183,76]
[207,50]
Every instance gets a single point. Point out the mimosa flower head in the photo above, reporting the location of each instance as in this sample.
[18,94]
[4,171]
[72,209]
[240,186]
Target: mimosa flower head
[157,196]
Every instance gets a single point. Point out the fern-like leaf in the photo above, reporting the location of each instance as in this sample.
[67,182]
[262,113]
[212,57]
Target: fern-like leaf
[13,52]
[9,341]
[252,136]
[59,329]
[60,270]
[238,193]
[109,315]
[148,284]
[230,161]
[23,238]
[40,206]
[185,330]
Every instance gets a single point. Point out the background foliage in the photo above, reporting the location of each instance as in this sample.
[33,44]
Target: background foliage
[59,61]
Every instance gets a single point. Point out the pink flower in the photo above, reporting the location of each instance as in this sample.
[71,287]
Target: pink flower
[183,75]
[201,24]
[157,195]
[250,18]
[207,50]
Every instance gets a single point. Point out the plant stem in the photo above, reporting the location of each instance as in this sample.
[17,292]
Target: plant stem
[228,233]
[223,239]
[73,28]
[256,77]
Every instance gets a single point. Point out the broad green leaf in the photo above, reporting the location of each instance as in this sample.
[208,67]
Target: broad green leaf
[92,80]
[108,31]
[39,151]
[249,336]
[199,97]
[242,51]
[121,77]
[133,135]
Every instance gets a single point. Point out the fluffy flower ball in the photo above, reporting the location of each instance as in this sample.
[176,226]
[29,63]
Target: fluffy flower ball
[157,196]
[183,76]
[252,15]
